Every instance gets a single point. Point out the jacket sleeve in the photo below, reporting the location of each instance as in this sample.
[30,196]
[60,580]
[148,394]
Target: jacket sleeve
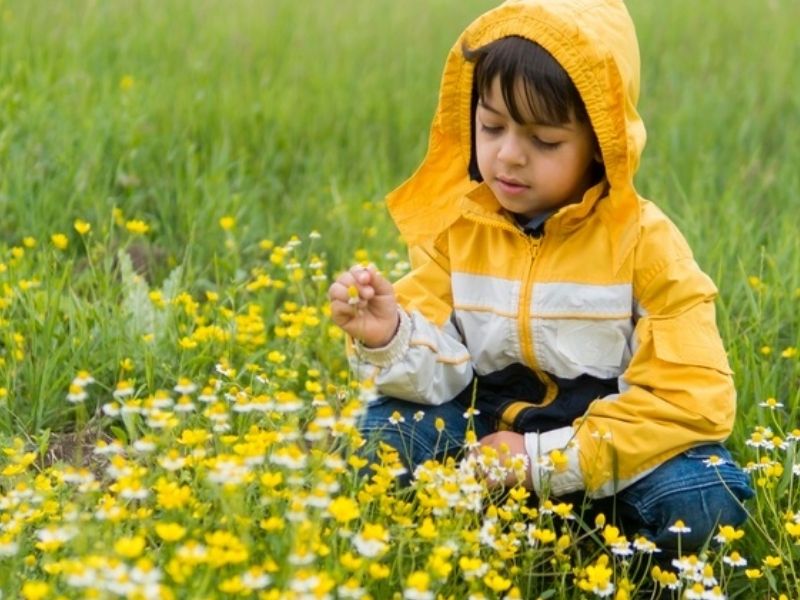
[427,361]
[676,392]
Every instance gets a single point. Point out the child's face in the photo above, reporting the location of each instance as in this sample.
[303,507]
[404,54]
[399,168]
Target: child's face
[531,167]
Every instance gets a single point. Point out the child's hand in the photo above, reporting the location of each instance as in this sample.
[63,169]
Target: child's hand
[509,445]
[364,305]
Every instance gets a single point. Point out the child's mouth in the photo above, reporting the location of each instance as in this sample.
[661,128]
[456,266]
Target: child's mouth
[510,187]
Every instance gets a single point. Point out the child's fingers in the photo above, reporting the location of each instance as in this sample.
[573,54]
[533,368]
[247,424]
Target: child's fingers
[381,285]
[369,275]
[345,313]
[352,294]
[362,275]
[358,278]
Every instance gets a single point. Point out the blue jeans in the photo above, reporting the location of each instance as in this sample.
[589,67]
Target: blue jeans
[684,487]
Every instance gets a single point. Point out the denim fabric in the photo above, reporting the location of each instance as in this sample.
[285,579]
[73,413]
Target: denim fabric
[417,439]
[684,487]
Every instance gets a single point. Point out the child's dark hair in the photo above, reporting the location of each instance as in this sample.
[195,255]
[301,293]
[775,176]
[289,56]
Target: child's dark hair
[550,95]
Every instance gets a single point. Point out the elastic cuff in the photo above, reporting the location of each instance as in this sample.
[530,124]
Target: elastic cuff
[391,352]
[556,477]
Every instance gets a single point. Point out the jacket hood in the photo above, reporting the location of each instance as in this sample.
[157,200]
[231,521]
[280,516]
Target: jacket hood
[595,42]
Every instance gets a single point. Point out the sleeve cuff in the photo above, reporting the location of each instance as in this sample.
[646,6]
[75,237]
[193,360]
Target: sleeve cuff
[391,352]
[555,462]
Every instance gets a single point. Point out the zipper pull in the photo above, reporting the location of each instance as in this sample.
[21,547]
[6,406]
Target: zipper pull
[533,246]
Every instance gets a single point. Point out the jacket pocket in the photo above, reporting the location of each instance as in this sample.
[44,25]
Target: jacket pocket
[687,340]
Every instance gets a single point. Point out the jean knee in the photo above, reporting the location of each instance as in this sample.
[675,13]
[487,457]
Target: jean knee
[701,493]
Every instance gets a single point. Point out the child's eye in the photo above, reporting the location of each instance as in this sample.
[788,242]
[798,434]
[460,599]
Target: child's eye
[540,143]
[491,129]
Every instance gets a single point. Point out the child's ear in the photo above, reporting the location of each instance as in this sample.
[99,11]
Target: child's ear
[598,156]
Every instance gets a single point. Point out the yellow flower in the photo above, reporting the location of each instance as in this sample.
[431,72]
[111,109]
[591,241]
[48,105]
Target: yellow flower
[351,562]
[352,295]
[793,528]
[35,590]
[357,462]
[12,470]
[82,227]
[130,547]
[170,532]
[233,587]
[277,256]
[772,561]
[559,460]
[439,562]
[157,298]
[427,530]
[171,495]
[272,480]
[272,524]
[194,437]
[137,226]
[29,241]
[419,581]
[496,582]
[563,510]
[598,577]
[344,509]
[695,590]
[225,548]
[611,535]
[126,83]
[60,241]
[753,573]
[789,352]
[123,389]
[544,535]
[679,527]
[372,541]
[665,578]
[600,520]
[728,534]
[187,343]
[227,223]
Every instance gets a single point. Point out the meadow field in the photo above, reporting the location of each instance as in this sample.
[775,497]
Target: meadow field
[179,182]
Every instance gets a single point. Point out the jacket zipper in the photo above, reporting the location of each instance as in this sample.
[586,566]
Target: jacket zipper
[524,322]
[528,356]
[524,318]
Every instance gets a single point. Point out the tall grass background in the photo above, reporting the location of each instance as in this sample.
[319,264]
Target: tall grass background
[293,117]
[300,116]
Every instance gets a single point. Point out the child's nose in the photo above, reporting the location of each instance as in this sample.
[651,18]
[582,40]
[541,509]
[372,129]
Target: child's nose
[512,150]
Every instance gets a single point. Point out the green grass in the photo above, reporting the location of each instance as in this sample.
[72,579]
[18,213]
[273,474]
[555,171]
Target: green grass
[294,117]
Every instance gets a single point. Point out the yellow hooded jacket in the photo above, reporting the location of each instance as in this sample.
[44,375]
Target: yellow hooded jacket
[610,290]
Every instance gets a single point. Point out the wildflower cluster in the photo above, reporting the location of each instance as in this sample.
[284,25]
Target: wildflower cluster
[243,473]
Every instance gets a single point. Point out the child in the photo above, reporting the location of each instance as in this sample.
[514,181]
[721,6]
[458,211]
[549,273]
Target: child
[551,308]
